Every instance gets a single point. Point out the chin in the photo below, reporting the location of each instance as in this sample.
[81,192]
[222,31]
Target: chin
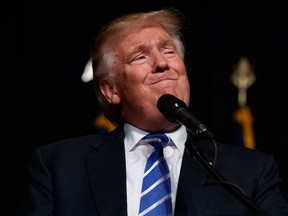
[163,124]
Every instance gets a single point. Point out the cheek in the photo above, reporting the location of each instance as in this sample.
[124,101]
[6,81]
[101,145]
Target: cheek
[180,66]
[129,87]
[185,91]
[134,75]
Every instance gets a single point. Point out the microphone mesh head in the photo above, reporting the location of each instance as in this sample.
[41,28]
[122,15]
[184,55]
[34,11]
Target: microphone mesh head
[168,105]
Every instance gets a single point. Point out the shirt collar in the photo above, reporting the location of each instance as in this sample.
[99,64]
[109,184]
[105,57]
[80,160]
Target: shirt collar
[134,134]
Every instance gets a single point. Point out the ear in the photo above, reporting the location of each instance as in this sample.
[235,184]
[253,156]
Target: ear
[109,91]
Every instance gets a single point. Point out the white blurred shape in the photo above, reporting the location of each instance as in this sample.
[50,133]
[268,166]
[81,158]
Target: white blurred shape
[88,72]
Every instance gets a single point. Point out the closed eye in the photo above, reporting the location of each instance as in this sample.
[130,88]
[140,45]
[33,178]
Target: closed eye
[168,52]
[139,59]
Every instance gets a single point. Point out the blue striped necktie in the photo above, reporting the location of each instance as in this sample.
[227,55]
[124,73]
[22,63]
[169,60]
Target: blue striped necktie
[156,188]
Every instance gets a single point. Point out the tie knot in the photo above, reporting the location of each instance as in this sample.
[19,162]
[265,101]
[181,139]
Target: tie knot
[157,139]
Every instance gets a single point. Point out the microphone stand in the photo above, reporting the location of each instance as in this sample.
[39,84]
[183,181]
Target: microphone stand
[234,189]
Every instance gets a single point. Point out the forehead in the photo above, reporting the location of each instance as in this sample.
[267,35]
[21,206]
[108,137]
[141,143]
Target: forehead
[143,36]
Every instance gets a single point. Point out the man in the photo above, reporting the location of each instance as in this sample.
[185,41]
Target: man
[137,59]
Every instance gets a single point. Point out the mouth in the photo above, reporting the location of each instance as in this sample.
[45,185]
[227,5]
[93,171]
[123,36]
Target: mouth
[164,79]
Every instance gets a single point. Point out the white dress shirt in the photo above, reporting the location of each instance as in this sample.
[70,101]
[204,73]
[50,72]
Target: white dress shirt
[136,154]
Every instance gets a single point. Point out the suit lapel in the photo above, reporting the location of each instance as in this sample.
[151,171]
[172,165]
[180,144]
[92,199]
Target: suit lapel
[106,170]
[192,194]
[107,174]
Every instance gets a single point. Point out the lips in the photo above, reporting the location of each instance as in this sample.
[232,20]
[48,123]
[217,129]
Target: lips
[161,78]
[168,79]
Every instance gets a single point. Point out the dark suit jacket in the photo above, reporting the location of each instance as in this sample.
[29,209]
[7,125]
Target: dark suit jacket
[86,176]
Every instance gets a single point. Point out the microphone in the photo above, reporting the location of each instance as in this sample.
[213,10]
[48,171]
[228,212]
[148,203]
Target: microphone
[175,110]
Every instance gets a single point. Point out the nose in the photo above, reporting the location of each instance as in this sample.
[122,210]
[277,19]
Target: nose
[160,62]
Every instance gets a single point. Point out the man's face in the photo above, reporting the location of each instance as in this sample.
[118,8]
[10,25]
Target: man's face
[148,67]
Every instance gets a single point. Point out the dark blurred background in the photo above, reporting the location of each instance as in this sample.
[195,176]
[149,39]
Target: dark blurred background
[46,47]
